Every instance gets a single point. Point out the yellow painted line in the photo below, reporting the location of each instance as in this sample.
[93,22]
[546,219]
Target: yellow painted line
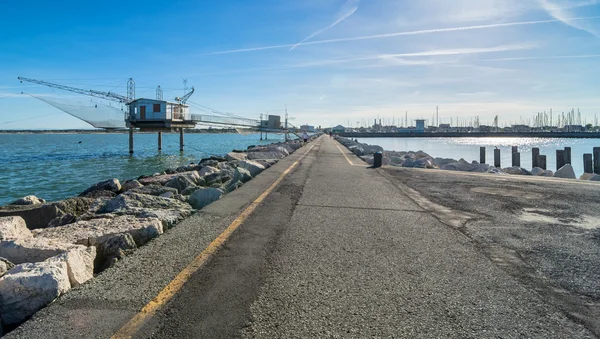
[167,293]
[348,159]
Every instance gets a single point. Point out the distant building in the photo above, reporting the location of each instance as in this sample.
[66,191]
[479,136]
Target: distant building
[338,129]
[420,125]
[574,128]
[308,128]
[521,128]
[274,121]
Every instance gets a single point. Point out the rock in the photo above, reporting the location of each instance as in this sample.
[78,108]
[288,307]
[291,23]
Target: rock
[190,190]
[117,247]
[112,185]
[153,189]
[241,175]
[213,178]
[35,216]
[565,172]
[131,184]
[464,166]
[418,163]
[590,177]
[494,170]
[253,167]
[226,171]
[516,170]
[231,156]
[168,195]
[537,171]
[29,200]
[439,162]
[79,259]
[101,194]
[80,263]
[266,162]
[421,154]
[266,155]
[180,183]
[156,180]
[63,220]
[96,232]
[208,170]
[5,266]
[75,206]
[209,162]
[128,199]
[29,287]
[205,196]
[12,228]
[168,218]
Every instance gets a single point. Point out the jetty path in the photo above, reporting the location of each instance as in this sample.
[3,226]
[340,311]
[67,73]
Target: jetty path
[320,245]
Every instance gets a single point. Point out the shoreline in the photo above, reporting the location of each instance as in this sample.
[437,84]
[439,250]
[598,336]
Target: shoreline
[569,135]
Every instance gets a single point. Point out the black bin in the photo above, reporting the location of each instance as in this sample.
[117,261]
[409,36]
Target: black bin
[377,159]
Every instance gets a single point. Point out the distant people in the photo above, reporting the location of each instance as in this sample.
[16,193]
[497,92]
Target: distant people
[305,137]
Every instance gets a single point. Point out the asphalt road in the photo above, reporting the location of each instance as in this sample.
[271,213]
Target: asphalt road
[342,250]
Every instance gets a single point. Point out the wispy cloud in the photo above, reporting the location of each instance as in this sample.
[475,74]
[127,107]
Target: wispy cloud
[407,33]
[562,12]
[347,10]
[585,56]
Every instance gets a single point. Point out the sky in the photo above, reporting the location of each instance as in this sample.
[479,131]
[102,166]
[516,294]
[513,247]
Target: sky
[329,62]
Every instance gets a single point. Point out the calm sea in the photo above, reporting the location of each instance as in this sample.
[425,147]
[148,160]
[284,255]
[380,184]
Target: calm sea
[468,148]
[57,166]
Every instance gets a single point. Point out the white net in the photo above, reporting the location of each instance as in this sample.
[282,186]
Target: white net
[96,112]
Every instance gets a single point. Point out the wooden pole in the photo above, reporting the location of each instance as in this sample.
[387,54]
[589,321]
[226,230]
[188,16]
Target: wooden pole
[482,155]
[130,140]
[596,160]
[535,153]
[181,140]
[159,141]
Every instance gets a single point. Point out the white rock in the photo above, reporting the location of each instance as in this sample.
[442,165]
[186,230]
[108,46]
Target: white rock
[79,259]
[236,156]
[96,231]
[208,170]
[28,200]
[537,171]
[254,167]
[130,199]
[28,287]
[565,172]
[205,196]
[494,170]
[5,266]
[128,185]
[13,227]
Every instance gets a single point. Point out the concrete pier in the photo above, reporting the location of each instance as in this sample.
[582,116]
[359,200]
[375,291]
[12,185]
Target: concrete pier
[560,158]
[535,153]
[482,155]
[588,164]
[542,162]
[568,155]
[497,157]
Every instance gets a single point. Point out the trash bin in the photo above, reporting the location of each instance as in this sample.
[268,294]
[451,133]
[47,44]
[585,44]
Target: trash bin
[377,159]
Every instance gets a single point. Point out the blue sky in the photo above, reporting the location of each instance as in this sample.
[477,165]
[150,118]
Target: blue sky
[330,61]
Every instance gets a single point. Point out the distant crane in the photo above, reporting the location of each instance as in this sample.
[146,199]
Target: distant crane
[98,94]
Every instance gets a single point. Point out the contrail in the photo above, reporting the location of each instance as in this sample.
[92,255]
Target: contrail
[390,35]
[343,16]
[547,57]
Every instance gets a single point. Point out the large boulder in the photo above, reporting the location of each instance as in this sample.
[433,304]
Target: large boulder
[29,287]
[180,183]
[226,171]
[205,196]
[590,177]
[464,166]
[208,170]
[12,228]
[96,231]
[75,206]
[540,172]
[233,156]
[266,155]
[131,184]
[35,216]
[112,185]
[418,163]
[153,189]
[565,172]
[79,259]
[241,175]
[516,170]
[254,167]
[28,200]
[168,218]
[157,179]
[129,199]
[439,162]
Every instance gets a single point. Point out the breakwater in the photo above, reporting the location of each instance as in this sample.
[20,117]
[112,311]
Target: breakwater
[48,248]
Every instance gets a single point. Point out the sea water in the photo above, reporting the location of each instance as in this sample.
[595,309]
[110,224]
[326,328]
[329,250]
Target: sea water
[58,166]
[468,148]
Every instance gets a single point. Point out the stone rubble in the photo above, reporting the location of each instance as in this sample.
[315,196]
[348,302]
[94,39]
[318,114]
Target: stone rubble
[48,248]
